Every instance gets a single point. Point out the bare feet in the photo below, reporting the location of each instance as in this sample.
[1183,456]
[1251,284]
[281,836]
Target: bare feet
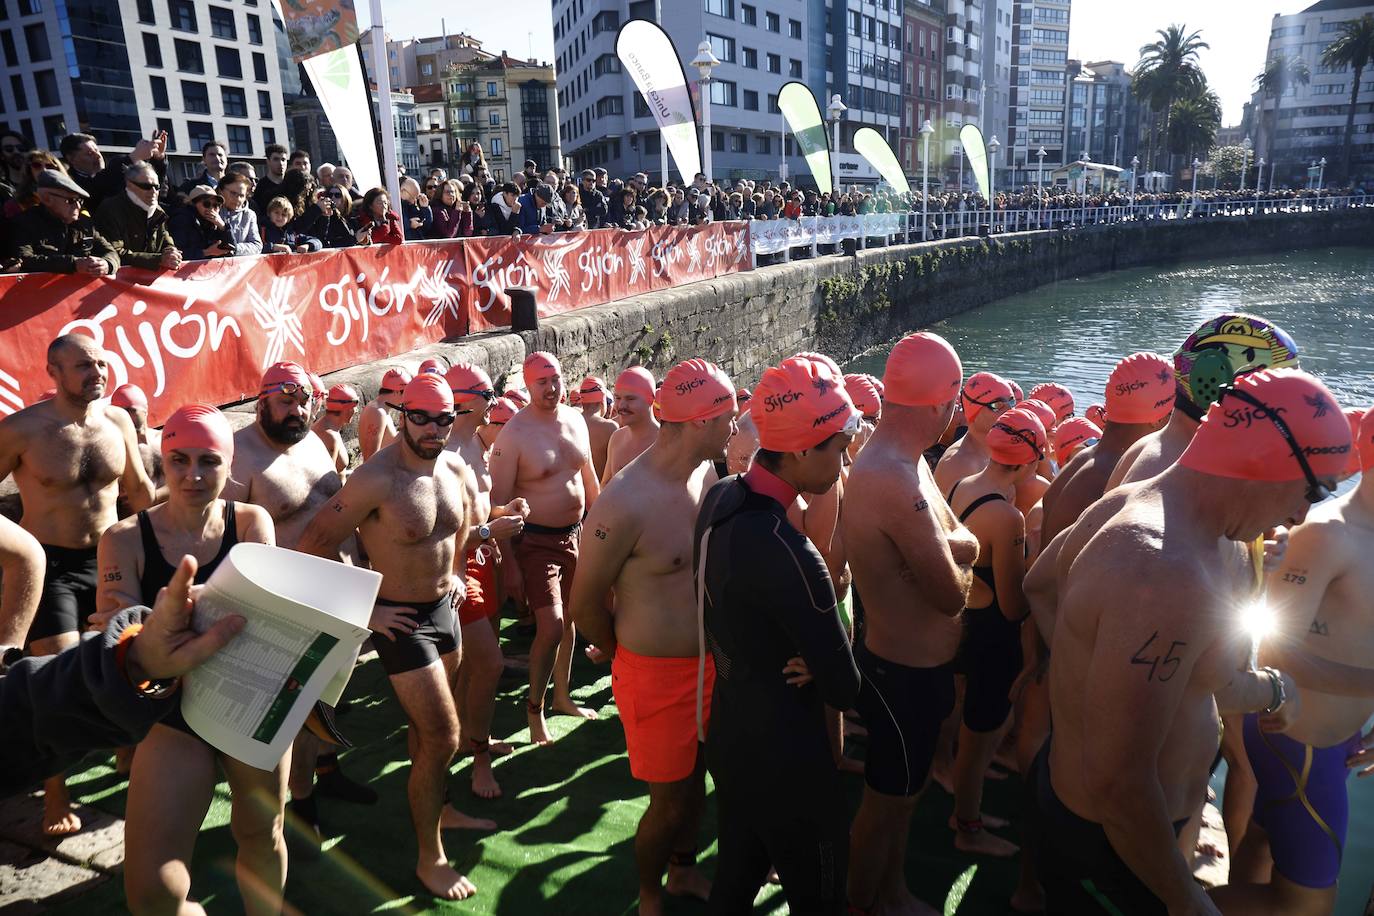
[596,655]
[687,881]
[58,817]
[773,876]
[124,759]
[1208,850]
[443,882]
[453,819]
[539,729]
[1028,902]
[495,748]
[979,842]
[566,707]
[484,784]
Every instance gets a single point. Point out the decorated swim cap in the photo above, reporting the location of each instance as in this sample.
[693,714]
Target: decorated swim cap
[502,409]
[1018,437]
[1073,434]
[1097,413]
[395,380]
[799,404]
[695,390]
[1042,411]
[468,382]
[282,374]
[129,396]
[429,392]
[1140,389]
[864,394]
[1260,424]
[1223,348]
[983,390]
[430,365]
[517,396]
[1057,396]
[340,396]
[198,426]
[539,365]
[922,371]
[636,380]
[830,364]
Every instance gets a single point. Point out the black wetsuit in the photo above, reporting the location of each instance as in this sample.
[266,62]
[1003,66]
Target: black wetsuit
[767,598]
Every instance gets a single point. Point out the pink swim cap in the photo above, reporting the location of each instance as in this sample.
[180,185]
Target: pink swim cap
[395,380]
[1042,411]
[922,371]
[801,403]
[1242,435]
[864,394]
[429,392]
[1366,440]
[1057,396]
[540,365]
[317,387]
[468,382]
[1095,412]
[430,365]
[1017,438]
[636,380]
[984,390]
[695,390]
[830,364]
[518,397]
[1076,432]
[198,426]
[341,396]
[1355,417]
[129,395]
[502,409]
[284,373]
[1141,389]
[594,386]
[1016,390]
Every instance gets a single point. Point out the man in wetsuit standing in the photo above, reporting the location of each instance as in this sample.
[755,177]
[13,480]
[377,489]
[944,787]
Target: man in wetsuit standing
[780,652]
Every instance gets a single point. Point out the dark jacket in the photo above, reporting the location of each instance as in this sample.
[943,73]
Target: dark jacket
[594,205]
[138,237]
[45,244]
[501,224]
[532,215]
[450,222]
[411,211]
[482,221]
[332,230]
[203,178]
[193,235]
[263,194]
[109,182]
[289,235]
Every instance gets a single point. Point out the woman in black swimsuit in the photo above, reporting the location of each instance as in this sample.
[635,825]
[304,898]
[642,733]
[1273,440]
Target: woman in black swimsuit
[990,657]
[174,772]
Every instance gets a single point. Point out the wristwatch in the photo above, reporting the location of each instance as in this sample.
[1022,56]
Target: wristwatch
[484,532]
[8,656]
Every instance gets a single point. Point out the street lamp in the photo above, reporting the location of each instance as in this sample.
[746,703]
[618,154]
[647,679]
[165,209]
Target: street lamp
[1259,178]
[1321,176]
[993,147]
[1083,221]
[1135,165]
[1245,145]
[1040,182]
[926,131]
[836,110]
[1197,164]
[705,62]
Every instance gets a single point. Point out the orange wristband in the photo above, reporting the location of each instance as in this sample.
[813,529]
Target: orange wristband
[126,639]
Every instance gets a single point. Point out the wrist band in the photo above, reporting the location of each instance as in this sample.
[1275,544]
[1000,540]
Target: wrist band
[1279,694]
[153,690]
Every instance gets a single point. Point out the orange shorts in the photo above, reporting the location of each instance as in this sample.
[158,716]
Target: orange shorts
[480,602]
[657,699]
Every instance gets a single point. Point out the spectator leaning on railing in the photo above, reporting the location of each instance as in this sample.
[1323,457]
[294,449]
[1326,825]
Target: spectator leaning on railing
[326,218]
[415,213]
[376,223]
[452,215]
[504,210]
[592,200]
[198,228]
[280,235]
[536,210]
[135,225]
[56,237]
[239,218]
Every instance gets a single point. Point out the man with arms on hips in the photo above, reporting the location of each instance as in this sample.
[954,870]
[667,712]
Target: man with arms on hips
[478,615]
[912,562]
[543,456]
[376,429]
[410,510]
[640,546]
[592,402]
[340,402]
[984,397]
[634,411]
[780,651]
[72,456]
[1136,696]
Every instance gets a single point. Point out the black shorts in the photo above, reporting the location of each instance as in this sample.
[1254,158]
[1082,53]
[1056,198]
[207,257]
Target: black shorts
[436,635]
[68,596]
[902,708]
[990,658]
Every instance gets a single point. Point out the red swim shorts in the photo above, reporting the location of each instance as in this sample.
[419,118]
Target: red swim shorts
[657,699]
[480,602]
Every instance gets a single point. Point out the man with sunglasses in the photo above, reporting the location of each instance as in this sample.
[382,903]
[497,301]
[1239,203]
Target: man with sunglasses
[56,237]
[13,162]
[409,507]
[198,229]
[134,224]
[985,396]
[1143,603]
[592,200]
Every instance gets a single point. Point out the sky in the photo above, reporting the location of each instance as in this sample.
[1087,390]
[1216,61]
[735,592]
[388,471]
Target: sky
[1237,30]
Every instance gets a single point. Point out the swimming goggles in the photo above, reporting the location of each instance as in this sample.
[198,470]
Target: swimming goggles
[420,418]
[1006,402]
[1316,490]
[1021,434]
[290,389]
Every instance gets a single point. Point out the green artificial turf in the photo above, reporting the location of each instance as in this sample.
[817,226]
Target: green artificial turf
[567,819]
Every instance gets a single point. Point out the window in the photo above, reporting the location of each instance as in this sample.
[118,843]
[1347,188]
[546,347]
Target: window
[194,97]
[145,12]
[794,28]
[774,63]
[494,118]
[1329,89]
[254,30]
[199,133]
[491,90]
[36,37]
[739,143]
[606,21]
[717,141]
[427,69]
[1047,96]
[1327,27]
[45,83]
[749,14]
[773,104]
[188,57]
[751,100]
[722,47]
[1050,36]
[229,63]
[166,124]
[152,50]
[259,67]
[30,7]
[235,103]
[7,42]
[763,144]
[222,23]
[724,8]
[723,93]
[183,15]
[160,101]
[772,22]
[1042,56]
[21,98]
[240,140]
[751,58]
[269,136]
[610,105]
[794,69]
[498,146]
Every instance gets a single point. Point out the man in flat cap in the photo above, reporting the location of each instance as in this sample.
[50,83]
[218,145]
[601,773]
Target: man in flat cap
[56,236]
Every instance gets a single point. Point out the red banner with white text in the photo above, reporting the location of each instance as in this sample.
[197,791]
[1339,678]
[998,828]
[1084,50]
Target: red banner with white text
[206,331]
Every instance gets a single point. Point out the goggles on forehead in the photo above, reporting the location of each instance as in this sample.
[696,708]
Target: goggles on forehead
[290,389]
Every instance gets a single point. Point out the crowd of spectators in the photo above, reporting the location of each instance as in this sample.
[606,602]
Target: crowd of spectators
[79,212]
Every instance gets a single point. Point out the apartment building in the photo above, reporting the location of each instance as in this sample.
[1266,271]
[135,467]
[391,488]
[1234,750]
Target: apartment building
[1040,86]
[923,56]
[509,106]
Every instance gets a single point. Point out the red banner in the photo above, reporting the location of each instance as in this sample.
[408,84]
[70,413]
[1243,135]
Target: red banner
[206,331]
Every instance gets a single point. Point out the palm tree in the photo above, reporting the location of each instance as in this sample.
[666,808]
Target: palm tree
[1282,74]
[1168,69]
[1193,124]
[1353,48]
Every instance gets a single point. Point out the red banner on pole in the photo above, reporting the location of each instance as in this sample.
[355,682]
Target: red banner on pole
[206,331]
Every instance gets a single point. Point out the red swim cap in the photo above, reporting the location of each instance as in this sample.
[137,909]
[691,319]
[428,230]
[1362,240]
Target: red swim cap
[430,365]
[429,392]
[1018,437]
[342,395]
[575,397]
[1075,432]
[877,383]
[830,364]
[1043,411]
[502,409]
[1057,396]
[1095,412]
[1245,440]
[1016,390]
[1355,417]
[395,380]
[695,390]
[922,371]
[864,394]
[636,380]
[317,388]
[129,395]
[518,397]
[468,382]
[540,365]
[594,386]
[1140,389]
[284,373]
[800,404]
[1366,440]
[198,426]
[985,389]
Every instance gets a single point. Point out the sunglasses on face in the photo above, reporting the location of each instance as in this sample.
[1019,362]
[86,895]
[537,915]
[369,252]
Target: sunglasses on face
[1316,490]
[69,201]
[146,185]
[420,418]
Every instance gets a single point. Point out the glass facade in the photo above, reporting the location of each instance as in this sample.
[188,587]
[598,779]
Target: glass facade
[96,57]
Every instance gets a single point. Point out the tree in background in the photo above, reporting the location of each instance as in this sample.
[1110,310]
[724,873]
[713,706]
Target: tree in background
[1193,123]
[1282,74]
[1168,71]
[1225,163]
[1353,48]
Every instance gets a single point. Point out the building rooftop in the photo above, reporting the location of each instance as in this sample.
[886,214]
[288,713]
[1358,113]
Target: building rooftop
[1326,6]
[432,92]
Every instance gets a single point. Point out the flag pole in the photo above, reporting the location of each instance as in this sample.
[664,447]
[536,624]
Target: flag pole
[382,71]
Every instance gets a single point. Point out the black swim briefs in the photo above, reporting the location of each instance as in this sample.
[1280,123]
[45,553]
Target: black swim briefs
[903,708]
[68,596]
[436,635]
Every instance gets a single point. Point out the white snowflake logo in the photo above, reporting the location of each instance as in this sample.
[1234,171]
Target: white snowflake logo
[559,281]
[278,319]
[741,246]
[10,401]
[693,256]
[442,295]
[638,268]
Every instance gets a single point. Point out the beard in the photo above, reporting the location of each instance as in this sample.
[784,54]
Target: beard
[427,452]
[284,432]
